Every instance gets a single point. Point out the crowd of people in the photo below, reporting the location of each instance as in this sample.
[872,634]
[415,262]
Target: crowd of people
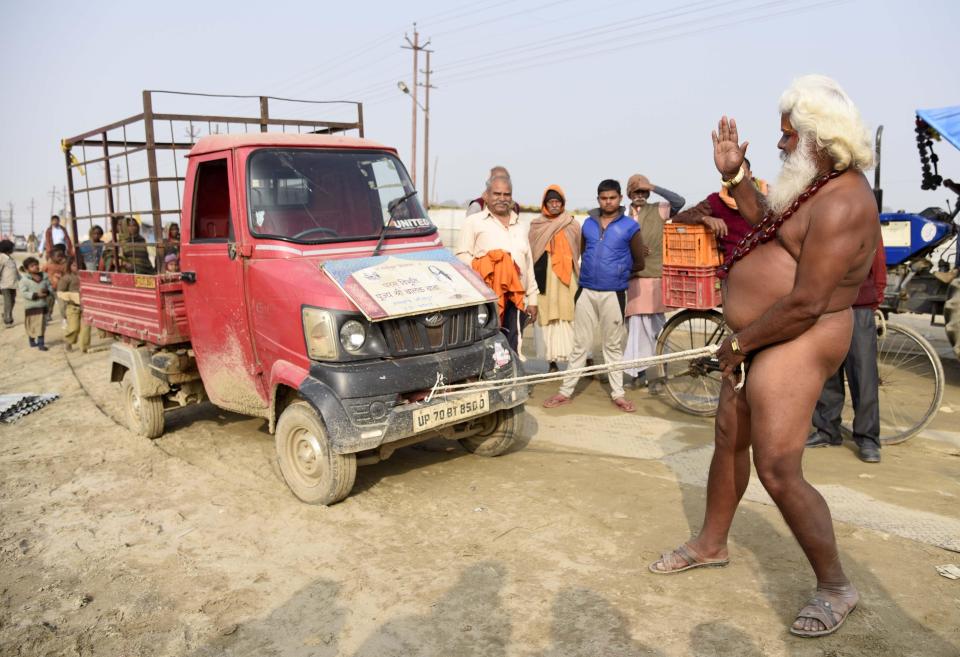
[41,286]
[589,283]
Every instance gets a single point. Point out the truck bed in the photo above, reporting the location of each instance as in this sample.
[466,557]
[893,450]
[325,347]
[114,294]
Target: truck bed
[143,308]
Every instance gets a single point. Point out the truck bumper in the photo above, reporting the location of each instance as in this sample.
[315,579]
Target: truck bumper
[362,404]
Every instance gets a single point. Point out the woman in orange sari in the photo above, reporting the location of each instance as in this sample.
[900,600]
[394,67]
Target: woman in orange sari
[555,247]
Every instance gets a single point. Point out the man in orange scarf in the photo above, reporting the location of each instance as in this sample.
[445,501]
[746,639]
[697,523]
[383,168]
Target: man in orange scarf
[496,245]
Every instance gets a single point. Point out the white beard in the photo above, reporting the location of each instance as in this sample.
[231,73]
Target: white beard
[799,170]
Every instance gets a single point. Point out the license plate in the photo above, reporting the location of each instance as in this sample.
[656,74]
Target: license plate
[450,412]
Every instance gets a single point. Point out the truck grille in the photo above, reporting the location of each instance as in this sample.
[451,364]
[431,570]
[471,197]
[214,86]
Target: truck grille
[413,335]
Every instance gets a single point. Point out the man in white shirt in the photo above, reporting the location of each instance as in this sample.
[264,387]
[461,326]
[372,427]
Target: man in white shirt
[497,228]
[55,234]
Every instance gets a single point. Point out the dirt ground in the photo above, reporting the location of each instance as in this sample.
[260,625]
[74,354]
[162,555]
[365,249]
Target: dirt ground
[112,544]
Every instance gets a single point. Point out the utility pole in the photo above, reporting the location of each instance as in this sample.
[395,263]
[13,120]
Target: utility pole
[53,198]
[426,132]
[32,207]
[9,217]
[416,47]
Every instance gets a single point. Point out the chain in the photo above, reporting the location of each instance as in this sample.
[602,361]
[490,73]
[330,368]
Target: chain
[770,225]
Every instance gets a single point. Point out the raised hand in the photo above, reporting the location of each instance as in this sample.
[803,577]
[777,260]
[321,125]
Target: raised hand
[728,153]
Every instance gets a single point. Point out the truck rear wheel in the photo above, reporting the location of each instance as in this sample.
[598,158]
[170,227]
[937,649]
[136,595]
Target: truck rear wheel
[309,466]
[144,414]
[951,315]
[502,433]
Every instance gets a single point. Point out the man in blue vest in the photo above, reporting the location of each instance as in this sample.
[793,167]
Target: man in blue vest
[611,248]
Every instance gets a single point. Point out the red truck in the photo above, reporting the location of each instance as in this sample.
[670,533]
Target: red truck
[275,310]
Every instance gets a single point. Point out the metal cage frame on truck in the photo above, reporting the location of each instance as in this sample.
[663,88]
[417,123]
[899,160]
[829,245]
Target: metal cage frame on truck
[101,139]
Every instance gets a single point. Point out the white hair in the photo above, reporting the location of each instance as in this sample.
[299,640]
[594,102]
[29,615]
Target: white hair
[819,108]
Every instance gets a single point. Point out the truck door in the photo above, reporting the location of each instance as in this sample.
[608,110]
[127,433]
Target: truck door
[214,288]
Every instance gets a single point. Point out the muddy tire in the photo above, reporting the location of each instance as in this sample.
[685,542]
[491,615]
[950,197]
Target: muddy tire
[499,437]
[951,315]
[314,473]
[144,414]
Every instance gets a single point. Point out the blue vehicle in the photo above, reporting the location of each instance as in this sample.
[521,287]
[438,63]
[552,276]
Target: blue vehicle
[915,283]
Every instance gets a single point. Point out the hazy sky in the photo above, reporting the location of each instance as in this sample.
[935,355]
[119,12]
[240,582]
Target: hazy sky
[567,92]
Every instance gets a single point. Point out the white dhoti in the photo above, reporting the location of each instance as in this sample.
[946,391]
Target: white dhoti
[642,332]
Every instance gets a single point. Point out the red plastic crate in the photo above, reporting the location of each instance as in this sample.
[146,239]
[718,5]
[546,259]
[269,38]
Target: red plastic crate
[686,245]
[690,287]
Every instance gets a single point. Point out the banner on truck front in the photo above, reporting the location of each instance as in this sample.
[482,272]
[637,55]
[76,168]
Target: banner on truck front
[383,287]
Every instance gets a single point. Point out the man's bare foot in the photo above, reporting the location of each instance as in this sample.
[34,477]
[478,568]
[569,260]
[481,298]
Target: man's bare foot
[825,612]
[686,557]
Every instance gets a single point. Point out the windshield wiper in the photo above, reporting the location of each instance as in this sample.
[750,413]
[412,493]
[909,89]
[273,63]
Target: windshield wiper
[383,231]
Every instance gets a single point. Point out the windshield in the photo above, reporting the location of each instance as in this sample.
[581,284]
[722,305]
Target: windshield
[310,195]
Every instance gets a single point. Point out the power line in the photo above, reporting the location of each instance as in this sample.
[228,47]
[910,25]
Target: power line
[698,26]
[576,35]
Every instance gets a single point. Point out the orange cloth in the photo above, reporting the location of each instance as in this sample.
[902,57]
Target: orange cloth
[501,274]
[727,197]
[561,257]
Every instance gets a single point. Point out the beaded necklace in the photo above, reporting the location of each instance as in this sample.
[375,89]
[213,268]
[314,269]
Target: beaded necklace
[769,226]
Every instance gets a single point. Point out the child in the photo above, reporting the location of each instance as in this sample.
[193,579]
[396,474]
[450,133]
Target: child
[55,267]
[35,289]
[8,281]
[68,291]
[171,263]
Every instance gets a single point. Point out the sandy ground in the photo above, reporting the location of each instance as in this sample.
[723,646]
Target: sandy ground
[190,545]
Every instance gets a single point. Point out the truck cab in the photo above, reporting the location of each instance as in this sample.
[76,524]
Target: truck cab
[274,328]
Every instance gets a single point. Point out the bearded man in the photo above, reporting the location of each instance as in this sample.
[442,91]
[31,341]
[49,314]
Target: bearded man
[788,289]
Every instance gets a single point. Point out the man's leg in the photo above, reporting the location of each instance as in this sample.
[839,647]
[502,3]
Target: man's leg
[861,367]
[9,298]
[783,385]
[509,328]
[826,414]
[726,483]
[584,329]
[611,338]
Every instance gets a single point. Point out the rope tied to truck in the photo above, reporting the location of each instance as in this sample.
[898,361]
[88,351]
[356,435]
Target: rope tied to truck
[442,388]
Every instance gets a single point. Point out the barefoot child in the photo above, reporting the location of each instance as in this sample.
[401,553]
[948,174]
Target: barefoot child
[68,291]
[35,289]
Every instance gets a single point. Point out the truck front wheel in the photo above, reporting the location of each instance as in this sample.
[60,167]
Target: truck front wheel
[144,414]
[309,466]
[499,437]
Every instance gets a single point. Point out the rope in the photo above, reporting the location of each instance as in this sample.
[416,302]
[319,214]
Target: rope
[440,388]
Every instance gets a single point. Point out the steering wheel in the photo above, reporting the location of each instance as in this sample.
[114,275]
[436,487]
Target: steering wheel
[315,229]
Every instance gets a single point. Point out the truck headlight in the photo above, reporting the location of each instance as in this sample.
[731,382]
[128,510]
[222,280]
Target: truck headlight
[483,314]
[319,331]
[352,335]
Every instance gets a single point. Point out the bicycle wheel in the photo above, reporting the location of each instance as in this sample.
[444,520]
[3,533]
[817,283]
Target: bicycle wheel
[693,385]
[911,384]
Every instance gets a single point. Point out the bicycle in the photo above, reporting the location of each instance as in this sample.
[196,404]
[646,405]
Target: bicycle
[911,378]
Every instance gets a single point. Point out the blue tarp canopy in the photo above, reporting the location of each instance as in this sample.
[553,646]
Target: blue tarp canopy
[946,121]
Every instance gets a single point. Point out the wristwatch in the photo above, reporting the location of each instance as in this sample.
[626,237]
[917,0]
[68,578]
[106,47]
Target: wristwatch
[735,345]
[733,182]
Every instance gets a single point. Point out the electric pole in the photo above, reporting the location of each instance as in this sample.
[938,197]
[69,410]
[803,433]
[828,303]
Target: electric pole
[9,217]
[416,47]
[32,207]
[53,198]
[426,132]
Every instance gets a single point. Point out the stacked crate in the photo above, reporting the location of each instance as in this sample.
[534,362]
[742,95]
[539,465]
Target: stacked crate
[690,260]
